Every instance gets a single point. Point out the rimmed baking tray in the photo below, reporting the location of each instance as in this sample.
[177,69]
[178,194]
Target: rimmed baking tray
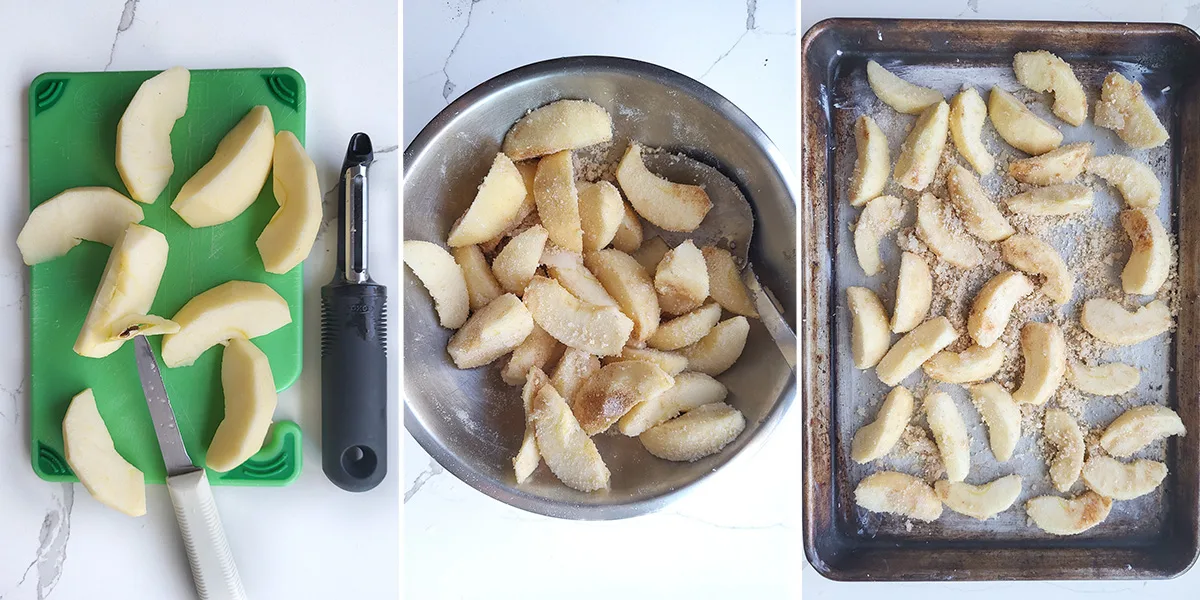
[1153,537]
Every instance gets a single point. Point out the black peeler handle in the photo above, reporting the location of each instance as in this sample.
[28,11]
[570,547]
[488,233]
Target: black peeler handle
[354,385]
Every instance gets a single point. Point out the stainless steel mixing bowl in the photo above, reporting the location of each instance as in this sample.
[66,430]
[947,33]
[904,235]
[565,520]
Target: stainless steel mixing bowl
[470,421]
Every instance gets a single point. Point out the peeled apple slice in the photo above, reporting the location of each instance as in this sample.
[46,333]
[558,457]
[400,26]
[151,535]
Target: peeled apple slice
[497,204]
[96,214]
[1062,516]
[560,125]
[670,206]
[287,239]
[250,401]
[980,501]
[567,450]
[898,493]
[1139,427]
[899,94]
[135,325]
[144,133]
[698,433]
[233,309]
[1114,479]
[231,180]
[108,477]
[442,278]
[127,287]
[876,439]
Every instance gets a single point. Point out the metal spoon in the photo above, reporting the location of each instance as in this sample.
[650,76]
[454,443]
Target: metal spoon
[730,225]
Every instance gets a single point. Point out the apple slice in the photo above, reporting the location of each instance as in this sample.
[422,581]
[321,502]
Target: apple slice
[1150,260]
[127,287]
[288,238]
[1124,109]
[1110,322]
[1138,427]
[1042,71]
[557,198]
[600,213]
[599,330]
[980,501]
[96,214]
[1001,415]
[871,168]
[921,152]
[233,309]
[493,331]
[716,352]
[1045,352]
[976,363]
[1066,448]
[876,439]
[615,389]
[144,133]
[968,113]
[560,125]
[135,325]
[1063,516]
[629,231]
[698,433]
[1060,165]
[691,390]
[501,199]
[978,212]
[882,215]
[108,477]
[1138,184]
[681,279]
[442,278]
[671,206]
[250,401]
[1018,126]
[898,493]
[905,97]
[230,181]
[568,451]
[528,457]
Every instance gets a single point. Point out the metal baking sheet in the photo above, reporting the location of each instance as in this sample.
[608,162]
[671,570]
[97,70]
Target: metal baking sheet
[1152,536]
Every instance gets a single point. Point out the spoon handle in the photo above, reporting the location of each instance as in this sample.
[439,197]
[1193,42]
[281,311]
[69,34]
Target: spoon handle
[772,316]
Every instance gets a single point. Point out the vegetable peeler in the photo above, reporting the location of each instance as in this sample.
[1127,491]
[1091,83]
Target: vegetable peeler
[354,342]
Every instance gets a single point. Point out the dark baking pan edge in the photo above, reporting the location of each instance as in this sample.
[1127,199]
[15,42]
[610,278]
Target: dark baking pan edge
[845,556]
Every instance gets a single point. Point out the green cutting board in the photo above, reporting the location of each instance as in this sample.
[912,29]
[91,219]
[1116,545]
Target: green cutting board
[72,142]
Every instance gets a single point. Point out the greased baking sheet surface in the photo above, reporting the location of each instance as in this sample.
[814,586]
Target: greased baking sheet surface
[858,394]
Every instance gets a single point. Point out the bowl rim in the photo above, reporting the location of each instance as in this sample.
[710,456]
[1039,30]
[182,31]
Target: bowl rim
[422,143]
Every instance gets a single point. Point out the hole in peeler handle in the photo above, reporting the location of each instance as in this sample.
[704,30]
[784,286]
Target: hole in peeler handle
[359,462]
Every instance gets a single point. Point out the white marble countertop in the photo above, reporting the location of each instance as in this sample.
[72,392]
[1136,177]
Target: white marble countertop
[737,535]
[306,541]
[1186,12]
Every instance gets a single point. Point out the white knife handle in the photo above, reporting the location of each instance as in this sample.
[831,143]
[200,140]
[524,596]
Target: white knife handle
[213,569]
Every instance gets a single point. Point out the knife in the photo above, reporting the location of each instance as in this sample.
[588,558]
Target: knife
[353,342]
[213,570]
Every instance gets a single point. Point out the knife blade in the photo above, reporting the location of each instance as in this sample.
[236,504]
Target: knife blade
[213,570]
[170,442]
